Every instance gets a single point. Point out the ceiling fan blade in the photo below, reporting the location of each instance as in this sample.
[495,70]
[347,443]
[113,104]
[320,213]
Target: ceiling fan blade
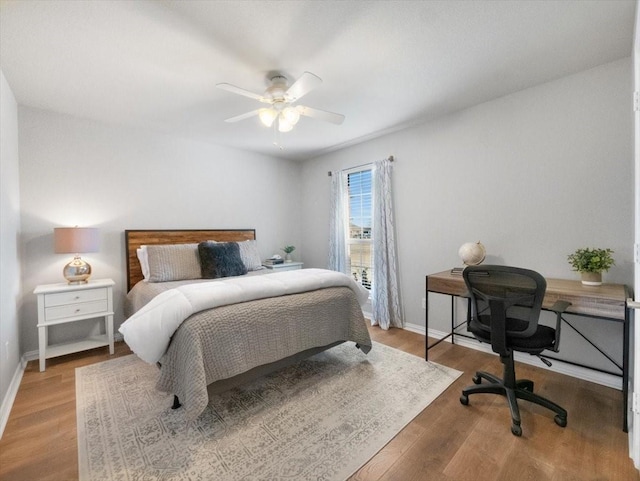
[305,84]
[237,118]
[320,114]
[240,91]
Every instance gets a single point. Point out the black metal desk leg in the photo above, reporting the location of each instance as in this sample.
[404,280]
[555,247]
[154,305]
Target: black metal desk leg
[625,371]
[426,319]
[453,321]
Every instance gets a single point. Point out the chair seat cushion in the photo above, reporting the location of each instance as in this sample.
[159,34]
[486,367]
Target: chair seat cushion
[544,337]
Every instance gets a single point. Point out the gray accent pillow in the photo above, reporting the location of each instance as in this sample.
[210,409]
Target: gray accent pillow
[250,255]
[220,259]
[173,262]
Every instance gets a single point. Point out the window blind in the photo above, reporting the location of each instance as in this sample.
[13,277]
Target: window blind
[359,235]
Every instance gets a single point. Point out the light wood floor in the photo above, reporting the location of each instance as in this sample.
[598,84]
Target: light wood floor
[447,441]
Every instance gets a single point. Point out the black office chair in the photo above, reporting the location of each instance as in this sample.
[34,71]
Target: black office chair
[505,308]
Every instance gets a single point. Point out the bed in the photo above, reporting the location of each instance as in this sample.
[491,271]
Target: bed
[229,337]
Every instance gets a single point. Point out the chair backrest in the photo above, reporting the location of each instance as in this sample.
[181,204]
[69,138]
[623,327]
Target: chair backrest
[505,298]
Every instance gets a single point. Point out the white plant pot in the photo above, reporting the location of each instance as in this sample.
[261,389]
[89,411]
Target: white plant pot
[591,278]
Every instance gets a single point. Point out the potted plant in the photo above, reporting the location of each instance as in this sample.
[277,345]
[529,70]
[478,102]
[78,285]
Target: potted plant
[591,263]
[288,250]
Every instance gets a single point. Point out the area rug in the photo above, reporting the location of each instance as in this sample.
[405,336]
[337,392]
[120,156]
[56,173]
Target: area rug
[320,419]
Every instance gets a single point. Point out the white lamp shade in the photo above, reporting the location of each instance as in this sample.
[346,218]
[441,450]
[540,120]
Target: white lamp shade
[267,116]
[284,125]
[291,115]
[76,240]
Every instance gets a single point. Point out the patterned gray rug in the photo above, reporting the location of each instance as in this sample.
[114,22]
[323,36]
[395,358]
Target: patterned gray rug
[321,419]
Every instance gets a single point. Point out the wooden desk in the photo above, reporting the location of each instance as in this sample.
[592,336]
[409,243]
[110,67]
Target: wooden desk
[607,302]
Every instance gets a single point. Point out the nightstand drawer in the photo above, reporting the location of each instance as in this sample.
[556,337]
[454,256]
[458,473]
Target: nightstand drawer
[74,297]
[72,310]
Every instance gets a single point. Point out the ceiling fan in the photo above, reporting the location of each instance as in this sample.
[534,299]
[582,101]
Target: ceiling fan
[281,112]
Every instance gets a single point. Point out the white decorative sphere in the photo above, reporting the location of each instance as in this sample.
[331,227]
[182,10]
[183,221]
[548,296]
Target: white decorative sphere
[472,253]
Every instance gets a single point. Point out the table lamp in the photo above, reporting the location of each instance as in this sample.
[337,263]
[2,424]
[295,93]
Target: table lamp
[76,240]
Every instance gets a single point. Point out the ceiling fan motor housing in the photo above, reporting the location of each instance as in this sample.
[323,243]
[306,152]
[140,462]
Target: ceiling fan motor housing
[278,89]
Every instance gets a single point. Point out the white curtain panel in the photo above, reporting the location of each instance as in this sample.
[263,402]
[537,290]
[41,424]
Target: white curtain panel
[337,231]
[385,294]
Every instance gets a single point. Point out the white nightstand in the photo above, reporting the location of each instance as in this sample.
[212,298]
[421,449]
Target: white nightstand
[63,303]
[285,266]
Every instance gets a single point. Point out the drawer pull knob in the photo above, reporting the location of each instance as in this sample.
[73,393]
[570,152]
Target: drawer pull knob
[77,310]
[77,297]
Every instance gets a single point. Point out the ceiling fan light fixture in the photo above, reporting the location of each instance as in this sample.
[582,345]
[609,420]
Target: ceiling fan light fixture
[291,115]
[267,116]
[283,124]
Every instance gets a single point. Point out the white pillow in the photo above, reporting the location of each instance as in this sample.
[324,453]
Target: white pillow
[143,258]
[250,255]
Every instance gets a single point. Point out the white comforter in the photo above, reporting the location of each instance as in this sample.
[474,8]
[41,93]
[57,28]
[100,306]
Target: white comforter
[149,330]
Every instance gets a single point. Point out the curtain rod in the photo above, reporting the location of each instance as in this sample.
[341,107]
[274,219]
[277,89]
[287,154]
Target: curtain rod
[390,159]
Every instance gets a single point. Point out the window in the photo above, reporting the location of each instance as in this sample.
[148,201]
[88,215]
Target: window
[359,239]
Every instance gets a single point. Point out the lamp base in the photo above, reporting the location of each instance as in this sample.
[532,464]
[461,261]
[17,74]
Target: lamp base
[77,271]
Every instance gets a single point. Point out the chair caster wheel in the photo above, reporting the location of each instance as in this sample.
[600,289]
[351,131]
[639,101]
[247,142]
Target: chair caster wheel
[476,379]
[464,400]
[516,430]
[560,421]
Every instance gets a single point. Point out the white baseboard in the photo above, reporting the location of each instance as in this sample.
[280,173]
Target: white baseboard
[415,328]
[578,372]
[7,402]
[31,356]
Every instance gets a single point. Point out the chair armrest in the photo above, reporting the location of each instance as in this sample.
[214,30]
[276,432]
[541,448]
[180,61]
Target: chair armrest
[559,307]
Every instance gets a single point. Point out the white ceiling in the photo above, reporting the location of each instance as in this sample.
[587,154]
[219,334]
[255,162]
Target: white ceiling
[385,64]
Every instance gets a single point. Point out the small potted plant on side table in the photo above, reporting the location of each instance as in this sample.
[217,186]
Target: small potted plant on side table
[288,250]
[591,263]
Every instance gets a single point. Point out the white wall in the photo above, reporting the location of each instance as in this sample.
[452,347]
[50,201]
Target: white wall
[9,250]
[79,172]
[533,175]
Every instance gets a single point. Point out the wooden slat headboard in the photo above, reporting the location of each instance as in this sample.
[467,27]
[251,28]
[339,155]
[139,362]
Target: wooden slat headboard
[136,238]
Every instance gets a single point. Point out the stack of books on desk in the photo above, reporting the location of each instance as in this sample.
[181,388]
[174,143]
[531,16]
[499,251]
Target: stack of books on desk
[273,262]
[457,271]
